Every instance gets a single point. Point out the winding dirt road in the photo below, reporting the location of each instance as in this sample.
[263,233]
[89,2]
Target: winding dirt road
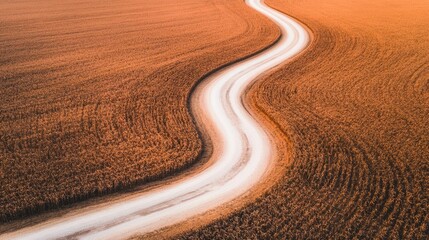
[242,154]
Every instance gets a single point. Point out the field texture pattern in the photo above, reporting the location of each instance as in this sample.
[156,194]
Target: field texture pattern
[356,107]
[94,94]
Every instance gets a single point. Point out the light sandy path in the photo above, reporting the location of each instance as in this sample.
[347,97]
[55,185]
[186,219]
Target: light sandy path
[242,152]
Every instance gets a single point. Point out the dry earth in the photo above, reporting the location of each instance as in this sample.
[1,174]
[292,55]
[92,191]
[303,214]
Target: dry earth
[94,94]
[356,108]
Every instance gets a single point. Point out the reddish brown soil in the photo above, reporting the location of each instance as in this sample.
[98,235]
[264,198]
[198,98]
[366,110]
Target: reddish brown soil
[356,108]
[94,94]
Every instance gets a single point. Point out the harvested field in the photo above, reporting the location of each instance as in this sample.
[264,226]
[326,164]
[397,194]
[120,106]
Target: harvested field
[94,94]
[356,108]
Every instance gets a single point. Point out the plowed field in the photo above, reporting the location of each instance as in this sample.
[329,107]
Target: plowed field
[94,94]
[356,109]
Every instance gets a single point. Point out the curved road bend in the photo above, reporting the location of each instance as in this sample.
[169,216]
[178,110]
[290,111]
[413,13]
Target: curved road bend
[243,155]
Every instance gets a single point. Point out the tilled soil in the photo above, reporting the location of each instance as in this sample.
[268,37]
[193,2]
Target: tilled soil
[94,94]
[356,107]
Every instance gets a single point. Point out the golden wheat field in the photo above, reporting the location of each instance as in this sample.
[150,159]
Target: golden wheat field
[95,99]
[94,94]
[355,107]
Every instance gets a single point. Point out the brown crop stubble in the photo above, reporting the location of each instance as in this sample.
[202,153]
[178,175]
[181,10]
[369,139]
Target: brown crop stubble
[94,94]
[356,107]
